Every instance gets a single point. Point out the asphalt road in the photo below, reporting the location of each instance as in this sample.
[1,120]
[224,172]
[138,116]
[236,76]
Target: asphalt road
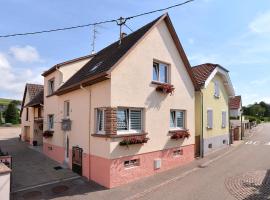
[246,163]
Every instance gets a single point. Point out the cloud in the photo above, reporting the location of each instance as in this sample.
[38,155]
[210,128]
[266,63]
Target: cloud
[261,24]
[202,58]
[13,79]
[25,54]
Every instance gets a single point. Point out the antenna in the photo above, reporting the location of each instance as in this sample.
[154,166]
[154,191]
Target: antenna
[120,22]
[94,38]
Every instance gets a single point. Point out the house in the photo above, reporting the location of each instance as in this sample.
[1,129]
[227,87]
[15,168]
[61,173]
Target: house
[126,112]
[32,114]
[235,107]
[213,91]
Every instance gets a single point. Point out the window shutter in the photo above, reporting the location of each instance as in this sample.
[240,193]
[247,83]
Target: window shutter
[135,119]
[216,88]
[172,118]
[224,120]
[180,119]
[209,118]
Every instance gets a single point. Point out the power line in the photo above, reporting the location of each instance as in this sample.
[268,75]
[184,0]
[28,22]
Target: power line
[96,23]
[128,27]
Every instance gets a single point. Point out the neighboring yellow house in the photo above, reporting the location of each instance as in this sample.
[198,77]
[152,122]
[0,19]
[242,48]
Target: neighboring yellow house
[214,89]
[32,114]
[111,118]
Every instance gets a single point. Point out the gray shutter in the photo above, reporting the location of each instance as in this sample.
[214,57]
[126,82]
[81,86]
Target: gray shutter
[135,119]
[209,118]
[224,120]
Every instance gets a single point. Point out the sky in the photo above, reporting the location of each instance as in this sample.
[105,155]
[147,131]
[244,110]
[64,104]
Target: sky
[232,33]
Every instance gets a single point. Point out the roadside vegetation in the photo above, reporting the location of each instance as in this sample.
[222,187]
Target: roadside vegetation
[9,112]
[259,112]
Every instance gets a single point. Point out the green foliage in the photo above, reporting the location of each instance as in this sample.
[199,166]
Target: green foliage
[12,114]
[1,121]
[258,121]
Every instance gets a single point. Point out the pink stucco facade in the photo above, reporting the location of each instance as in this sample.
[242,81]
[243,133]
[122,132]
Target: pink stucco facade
[112,172]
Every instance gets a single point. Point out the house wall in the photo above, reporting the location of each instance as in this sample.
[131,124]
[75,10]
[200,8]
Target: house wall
[27,125]
[235,112]
[131,88]
[217,134]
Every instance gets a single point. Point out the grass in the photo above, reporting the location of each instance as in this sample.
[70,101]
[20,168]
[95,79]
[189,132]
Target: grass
[5,101]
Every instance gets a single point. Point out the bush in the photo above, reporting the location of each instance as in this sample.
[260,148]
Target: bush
[252,119]
[258,121]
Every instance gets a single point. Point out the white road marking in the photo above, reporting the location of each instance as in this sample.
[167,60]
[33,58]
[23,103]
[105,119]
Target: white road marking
[257,143]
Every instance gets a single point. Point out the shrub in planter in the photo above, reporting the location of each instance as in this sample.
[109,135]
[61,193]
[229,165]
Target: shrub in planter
[180,134]
[133,140]
[165,88]
[48,134]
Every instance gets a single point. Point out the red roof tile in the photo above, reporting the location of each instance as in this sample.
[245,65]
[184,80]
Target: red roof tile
[235,103]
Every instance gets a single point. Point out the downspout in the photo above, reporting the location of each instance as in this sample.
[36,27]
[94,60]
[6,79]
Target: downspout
[202,127]
[89,125]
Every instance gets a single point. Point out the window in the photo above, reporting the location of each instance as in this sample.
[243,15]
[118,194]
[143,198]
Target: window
[129,119]
[100,120]
[209,118]
[160,72]
[50,122]
[50,86]
[224,120]
[177,119]
[27,114]
[178,152]
[131,163]
[216,94]
[66,109]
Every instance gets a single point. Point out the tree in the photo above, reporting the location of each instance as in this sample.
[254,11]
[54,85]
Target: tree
[1,121]
[11,114]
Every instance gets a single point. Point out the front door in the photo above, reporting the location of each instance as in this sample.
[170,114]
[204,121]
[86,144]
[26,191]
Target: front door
[77,160]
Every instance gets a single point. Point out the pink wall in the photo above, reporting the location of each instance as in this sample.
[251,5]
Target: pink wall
[112,173]
[57,153]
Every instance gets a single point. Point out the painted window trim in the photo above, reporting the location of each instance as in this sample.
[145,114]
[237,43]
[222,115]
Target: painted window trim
[101,132]
[184,120]
[158,62]
[130,131]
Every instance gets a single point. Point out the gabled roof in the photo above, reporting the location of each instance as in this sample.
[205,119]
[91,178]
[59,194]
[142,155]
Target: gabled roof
[52,69]
[37,100]
[235,103]
[33,90]
[204,73]
[100,66]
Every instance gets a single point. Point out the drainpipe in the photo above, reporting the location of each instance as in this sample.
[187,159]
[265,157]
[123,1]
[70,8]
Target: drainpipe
[202,137]
[89,126]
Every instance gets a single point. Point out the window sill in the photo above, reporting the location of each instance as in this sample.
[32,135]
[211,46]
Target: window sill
[158,83]
[118,135]
[177,130]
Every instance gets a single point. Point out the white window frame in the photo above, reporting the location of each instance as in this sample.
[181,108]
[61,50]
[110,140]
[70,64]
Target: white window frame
[158,75]
[175,122]
[50,88]
[50,126]
[66,111]
[212,119]
[102,131]
[132,164]
[128,125]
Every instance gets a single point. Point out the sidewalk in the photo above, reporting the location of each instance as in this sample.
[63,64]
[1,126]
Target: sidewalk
[82,189]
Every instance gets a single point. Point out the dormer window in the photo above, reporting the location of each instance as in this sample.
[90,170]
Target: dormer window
[50,86]
[160,72]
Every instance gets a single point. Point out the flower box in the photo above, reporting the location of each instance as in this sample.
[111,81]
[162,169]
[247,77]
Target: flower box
[179,134]
[165,88]
[48,134]
[129,140]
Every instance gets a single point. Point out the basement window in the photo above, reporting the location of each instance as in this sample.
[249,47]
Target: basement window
[177,152]
[131,163]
